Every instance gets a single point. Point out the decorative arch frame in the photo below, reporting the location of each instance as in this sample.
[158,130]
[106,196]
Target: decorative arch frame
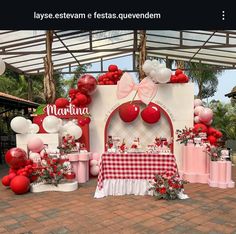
[139,102]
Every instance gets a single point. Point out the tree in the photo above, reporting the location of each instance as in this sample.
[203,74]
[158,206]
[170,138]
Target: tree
[224,119]
[205,76]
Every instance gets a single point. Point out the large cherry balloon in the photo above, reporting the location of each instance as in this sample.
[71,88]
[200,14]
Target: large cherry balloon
[128,112]
[151,114]
[87,84]
[16,158]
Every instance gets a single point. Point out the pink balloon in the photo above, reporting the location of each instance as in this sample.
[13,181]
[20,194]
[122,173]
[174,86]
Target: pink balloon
[197,109]
[197,102]
[196,119]
[96,156]
[94,170]
[93,162]
[209,123]
[35,144]
[206,115]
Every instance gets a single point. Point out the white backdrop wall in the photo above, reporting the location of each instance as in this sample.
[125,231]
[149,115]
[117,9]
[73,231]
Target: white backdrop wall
[175,99]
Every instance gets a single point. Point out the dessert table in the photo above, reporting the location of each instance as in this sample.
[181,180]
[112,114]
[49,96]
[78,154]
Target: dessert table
[130,173]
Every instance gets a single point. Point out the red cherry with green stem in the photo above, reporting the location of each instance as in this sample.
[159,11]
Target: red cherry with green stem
[128,112]
[151,114]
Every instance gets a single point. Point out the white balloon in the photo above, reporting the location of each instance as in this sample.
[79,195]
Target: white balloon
[29,121]
[75,131]
[196,119]
[161,65]
[153,74]
[197,102]
[2,66]
[51,124]
[164,75]
[197,109]
[155,63]
[94,170]
[34,128]
[93,162]
[147,68]
[19,124]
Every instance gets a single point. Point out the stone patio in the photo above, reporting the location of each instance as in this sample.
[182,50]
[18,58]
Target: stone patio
[209,210]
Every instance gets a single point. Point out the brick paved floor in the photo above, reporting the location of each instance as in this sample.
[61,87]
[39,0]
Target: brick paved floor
[209,210]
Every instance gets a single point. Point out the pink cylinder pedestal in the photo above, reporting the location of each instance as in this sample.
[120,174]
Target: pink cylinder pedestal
[195,164]
[80,165]
[220,174]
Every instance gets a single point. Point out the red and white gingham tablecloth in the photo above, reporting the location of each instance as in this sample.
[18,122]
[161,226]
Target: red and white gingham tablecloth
[135,166]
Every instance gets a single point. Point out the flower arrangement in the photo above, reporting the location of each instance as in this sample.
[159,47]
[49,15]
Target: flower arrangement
[167,187]
[186,135]
[51,170]
[213,152]
[68,144]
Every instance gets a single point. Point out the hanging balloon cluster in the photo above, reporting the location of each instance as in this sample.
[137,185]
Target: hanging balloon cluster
[160,74]
[111,77]
[2,66]
[203,118]
[146,90]
[79,97]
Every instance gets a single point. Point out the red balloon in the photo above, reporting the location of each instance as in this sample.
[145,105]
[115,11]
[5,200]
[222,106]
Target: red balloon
[82,99]
[6,180]
[61,102]
[11,175]
[128,112]
[87,84]
[218,134]
[89,100]
[212,140]
[20,184]
[75,102]
[112,68]
[151,114]
[199,127]
[211,131]
[72,93]
[39,119]
[16,158]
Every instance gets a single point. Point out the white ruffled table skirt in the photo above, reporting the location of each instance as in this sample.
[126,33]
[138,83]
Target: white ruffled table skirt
[119,187]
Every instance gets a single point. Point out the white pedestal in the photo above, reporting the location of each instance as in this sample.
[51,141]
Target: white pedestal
[63,187]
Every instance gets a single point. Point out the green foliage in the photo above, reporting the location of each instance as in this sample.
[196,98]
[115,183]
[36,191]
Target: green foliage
[205,76]
[71,82]
[224,119]
[19,85]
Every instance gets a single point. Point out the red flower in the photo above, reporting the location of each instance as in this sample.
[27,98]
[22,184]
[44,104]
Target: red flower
[162,190]
[157,189]
[59,173]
